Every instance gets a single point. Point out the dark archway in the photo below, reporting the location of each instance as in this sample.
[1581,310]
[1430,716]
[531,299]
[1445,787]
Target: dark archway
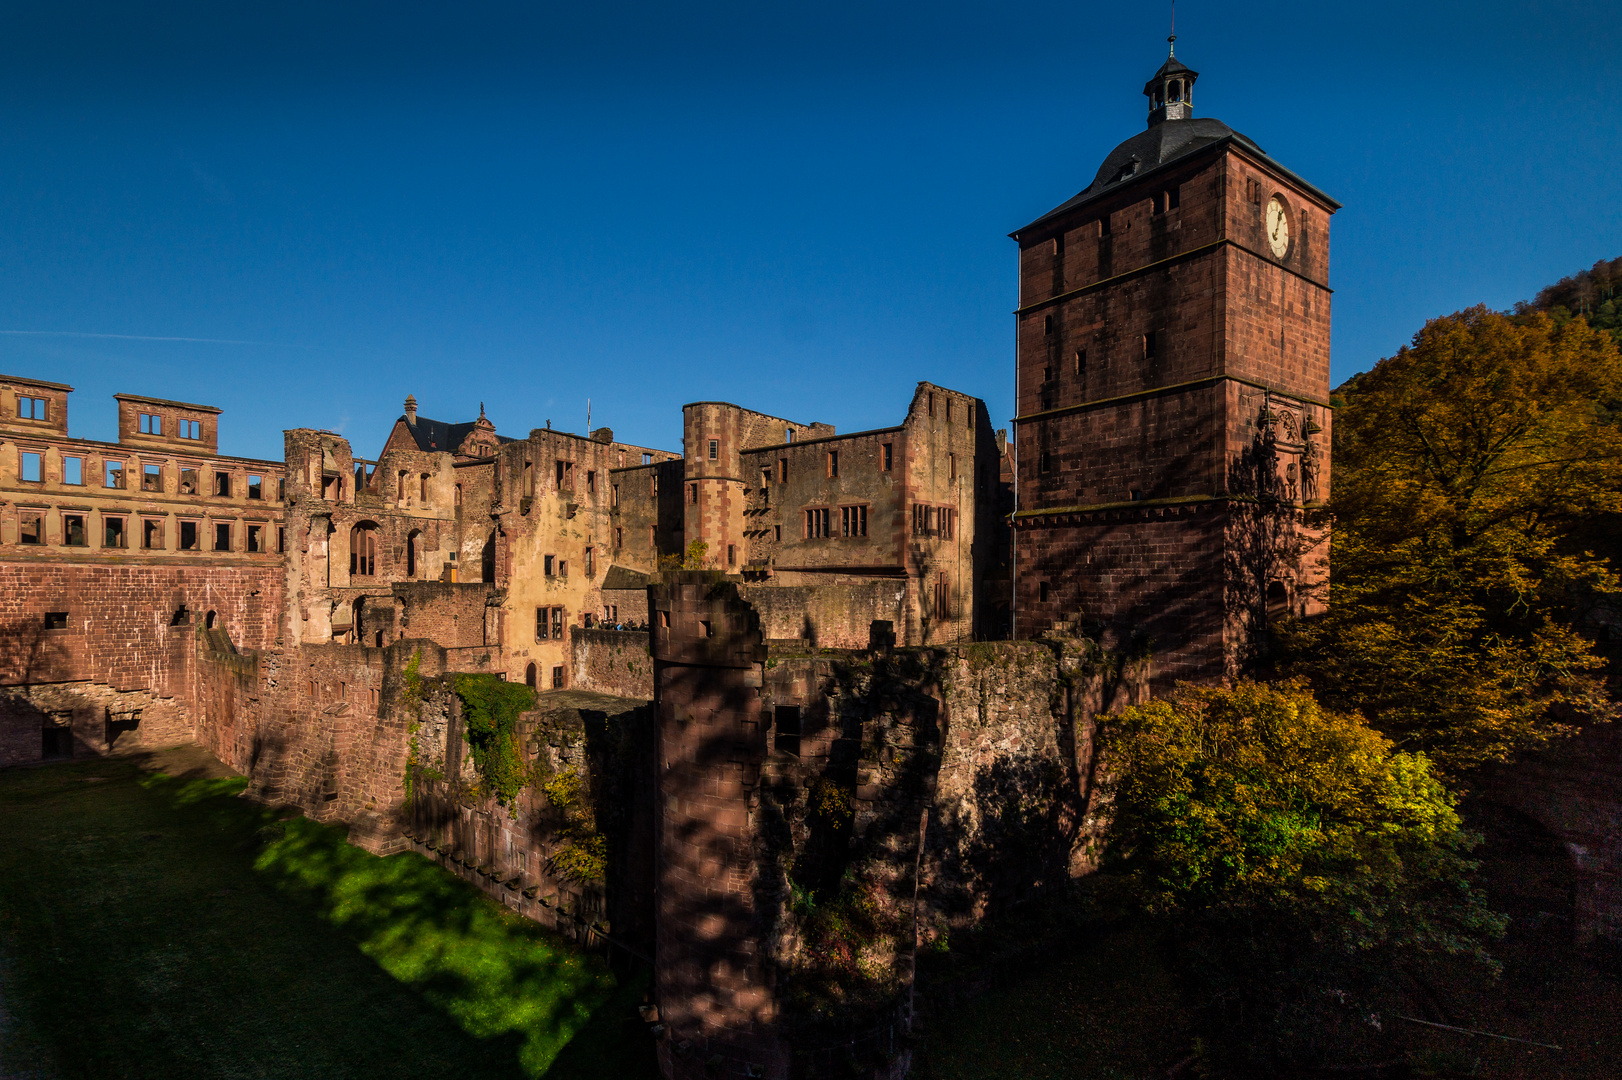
[530,676]
[208,621]
[412,541]
[487,563]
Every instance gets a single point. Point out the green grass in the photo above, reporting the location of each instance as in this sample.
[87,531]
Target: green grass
[153,926]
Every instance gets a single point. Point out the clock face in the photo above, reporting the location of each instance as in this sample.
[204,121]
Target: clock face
[1278,227]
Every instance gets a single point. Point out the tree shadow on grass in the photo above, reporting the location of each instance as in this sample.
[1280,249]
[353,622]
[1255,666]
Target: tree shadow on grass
[501,979]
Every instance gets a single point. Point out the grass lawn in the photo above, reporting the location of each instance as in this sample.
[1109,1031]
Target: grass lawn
[158,926]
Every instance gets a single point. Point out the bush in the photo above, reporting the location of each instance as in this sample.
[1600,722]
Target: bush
[490,710]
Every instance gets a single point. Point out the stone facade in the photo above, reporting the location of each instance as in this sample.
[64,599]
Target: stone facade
[1173,385]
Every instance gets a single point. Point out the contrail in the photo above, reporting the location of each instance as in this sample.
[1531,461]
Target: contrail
[145,337]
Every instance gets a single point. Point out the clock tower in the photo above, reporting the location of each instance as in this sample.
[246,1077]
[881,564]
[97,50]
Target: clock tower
[1173,397]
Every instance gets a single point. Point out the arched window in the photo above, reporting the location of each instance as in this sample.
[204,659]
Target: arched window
[363,550]
[529,676]
[411,552]
[208,621]
[1278,601]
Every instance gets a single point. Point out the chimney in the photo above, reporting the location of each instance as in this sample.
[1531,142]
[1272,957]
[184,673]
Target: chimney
[411,409]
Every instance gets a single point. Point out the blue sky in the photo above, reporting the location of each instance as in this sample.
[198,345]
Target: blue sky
[302,212]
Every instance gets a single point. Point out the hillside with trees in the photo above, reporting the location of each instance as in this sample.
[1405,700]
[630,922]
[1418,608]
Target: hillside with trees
[1591,293]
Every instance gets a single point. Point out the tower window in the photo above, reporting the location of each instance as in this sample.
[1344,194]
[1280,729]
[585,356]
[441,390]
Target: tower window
[1174,198]
[1149,345]
[1103,225]
[1047,324]
[1081,361]
[1042,591]
[887,456]
[715,449]
[833,464]
[1044,463]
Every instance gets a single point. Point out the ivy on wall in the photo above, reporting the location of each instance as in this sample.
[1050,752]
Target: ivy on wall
[490,710]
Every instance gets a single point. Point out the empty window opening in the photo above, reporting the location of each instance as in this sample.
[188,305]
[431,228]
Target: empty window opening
[951,466]
[363,550]
[886,456]
[715,449]
[1103,225]
[853,520]
[73,531]
[947,523]
[188,536]
[548,562]
[704,624]
[188,481]
[943,597]
[73,471]
[152,534]
[412,542]
[786,739]
[557,623]
[31,470]
[1136,495]
[112,533]
[664,620]
[932,395]
[422,488]
[782,470]
[152,478]
[400,486]
[56,735]
[1042,592]
[647,459]
[222,536]
[1278,601]
[557,677]
[1044,462]
[281,539]
[458,494]
[1149,345]
[151,424]
[816,523]
[1081,361]
[619,537]
[591,482]
[222,484]
[788,435]
[565,475]
[693,493]
[56,620]
[1174,199]
[281,488]
[529,676]
[256,538]
[114,475]
[948,410]
[778,530]
[833,463]
[189,429]
[591,562]
[529,480]
[613,495]
[31,528]
[31,408]
[563,568]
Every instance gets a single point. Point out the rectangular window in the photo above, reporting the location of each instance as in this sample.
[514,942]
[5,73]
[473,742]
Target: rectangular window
[73,531]
[853,521]
[152,534]
[189,536]
[1081,361]
[281,539]
[732,555]
[1103,225]
[256,538]
[565,476]
[786,739]
[557,624]
[73,471]
[152,478]
[591,563]
[591,482]
[222,536]
[557,677]
[948,410]
[833,463]
[693,488]
[1149,345]
[1174,198]
[887,457]
[817,522]
[547,561]
[948,523]
[31,528]
[951,466]
[778,531]
[31,408]
[151,424]
[715,449]
[653,483]
[619,537]
[613,495]
[222,484]
[563,568]
[782,470]
[932,395]
[256,487]
[56,620]
[112,533]
[189,429]
[543,621]
[422,489]
[31,469]
[188,481]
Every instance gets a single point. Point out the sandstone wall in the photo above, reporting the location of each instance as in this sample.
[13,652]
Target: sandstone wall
[611,662]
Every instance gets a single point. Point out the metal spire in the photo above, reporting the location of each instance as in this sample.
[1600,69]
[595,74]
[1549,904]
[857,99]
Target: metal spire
[1171,42]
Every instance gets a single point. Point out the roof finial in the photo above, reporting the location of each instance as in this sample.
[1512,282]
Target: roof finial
[481,410]
[1171,42]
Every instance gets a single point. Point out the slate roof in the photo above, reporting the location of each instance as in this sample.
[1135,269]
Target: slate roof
[1160,146]
[438,435]
[623,577]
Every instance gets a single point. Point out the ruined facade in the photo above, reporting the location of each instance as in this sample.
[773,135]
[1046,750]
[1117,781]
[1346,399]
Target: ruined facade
[1173,394]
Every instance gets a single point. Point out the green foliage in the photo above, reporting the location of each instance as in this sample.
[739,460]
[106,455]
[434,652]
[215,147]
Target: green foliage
[1594,294]
[584,856]
[1471,469]
[490,709]
[1299,857]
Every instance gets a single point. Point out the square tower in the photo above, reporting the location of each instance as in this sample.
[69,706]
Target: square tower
[1173,397]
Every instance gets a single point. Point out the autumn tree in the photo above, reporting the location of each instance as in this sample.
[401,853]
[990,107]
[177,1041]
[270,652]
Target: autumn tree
[1300,862]
[1469,469]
